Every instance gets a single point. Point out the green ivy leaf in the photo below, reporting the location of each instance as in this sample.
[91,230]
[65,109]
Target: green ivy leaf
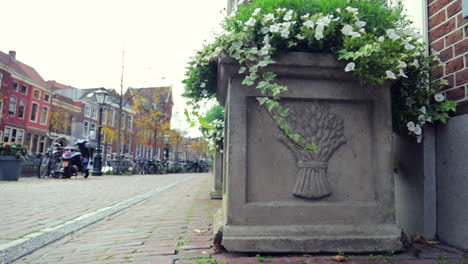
[262,100]
[271,104]
[284,111]
[242,70]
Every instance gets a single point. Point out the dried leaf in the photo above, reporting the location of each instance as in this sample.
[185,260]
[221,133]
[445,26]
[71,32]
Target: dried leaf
[339,258]
[432,242]
[417,239]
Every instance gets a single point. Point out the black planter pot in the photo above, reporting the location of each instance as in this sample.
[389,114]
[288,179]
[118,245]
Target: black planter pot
[10,168]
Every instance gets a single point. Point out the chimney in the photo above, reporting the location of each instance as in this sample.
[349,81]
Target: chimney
[12,54]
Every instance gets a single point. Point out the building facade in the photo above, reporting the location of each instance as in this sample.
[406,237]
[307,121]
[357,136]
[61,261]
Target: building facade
[25,103]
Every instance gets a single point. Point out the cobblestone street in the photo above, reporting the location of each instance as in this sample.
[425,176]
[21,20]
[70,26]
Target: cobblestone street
[31,205]
[175,227]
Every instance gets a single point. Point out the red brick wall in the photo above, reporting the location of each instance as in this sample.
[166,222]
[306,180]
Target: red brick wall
[448,34]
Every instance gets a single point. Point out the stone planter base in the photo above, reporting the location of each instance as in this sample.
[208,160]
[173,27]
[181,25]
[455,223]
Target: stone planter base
[313,238]
[280,198]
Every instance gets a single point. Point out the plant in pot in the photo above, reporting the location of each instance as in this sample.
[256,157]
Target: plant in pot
[376,41]
[314,76]
[11,158]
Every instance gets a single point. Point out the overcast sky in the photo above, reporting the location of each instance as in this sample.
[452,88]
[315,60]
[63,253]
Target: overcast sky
[80,42]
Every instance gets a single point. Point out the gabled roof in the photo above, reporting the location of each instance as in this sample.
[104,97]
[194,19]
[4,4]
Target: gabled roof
[166,97]
[21,69]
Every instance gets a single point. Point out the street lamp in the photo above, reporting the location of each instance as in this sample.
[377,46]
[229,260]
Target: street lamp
[101,98]
[166,140]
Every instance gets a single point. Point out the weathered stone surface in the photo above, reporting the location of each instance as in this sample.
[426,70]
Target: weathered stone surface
[452,182]
[218,176]
[278,199]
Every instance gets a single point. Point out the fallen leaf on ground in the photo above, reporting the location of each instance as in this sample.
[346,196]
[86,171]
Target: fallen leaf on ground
[432,242]
[338,258]
[418,239]
[197,230]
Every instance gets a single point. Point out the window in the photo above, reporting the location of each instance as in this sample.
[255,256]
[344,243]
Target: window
[92,131]
[112,117]
[1,81]
[130,122]
[20,137]
[94,113]
[37,94]
[12,106]
[122,123]
[34,109]
[1,135]
[24,89]
[15,86]
[46,97]
[87,111]
[465,9]
[13,135]
[7,134]
[85,128]
[21,108]
[45,111]
[41,144]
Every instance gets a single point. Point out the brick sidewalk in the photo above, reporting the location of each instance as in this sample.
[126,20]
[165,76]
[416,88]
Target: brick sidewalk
[31,205]
[174,227]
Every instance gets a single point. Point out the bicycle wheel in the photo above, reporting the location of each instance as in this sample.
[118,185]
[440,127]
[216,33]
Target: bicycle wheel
[44,167]
[125,167]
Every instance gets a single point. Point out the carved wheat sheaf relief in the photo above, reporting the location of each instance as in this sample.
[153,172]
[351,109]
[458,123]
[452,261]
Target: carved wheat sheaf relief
[314,121]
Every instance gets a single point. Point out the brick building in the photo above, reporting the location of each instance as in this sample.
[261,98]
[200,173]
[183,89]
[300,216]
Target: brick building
[151,137]
[25,104]
[448,35]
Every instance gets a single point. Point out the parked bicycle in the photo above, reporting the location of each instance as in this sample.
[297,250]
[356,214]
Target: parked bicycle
[50,161]
[122,166]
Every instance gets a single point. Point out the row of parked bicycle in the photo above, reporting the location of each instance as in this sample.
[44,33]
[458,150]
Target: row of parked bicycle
[65,162]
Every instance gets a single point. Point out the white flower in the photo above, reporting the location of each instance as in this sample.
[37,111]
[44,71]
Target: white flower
[402,64]
[392,34]
[288,15]
[421,118]
[444,82]
[338,10]
[274,28]
[409,46]
[418,130]
[402,73]
[256,11]
[419,138]
[390,75]
[360,23]
[381,39]
[264,30]
[415,63]
[324,20]
[251,22]
[410,125]
[423,110]
[285,33]
[202,85]
[350,66]
[347,30]
[352,10]
[268,17]
[304,17]
[439,97]
[319,32]
[205,93]
[362,30]
[309,23]
[265,49]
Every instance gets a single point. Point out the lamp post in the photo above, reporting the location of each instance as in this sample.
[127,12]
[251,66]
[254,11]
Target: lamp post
[101,98]
[166,140]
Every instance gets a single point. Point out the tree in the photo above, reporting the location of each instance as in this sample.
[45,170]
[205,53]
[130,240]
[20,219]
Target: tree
[151,114]
[176,139]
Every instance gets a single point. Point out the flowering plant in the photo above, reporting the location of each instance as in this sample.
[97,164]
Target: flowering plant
[376,41]
[7,149]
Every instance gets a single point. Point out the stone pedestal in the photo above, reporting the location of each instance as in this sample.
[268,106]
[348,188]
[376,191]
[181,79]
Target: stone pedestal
[281,199]
[218,176]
